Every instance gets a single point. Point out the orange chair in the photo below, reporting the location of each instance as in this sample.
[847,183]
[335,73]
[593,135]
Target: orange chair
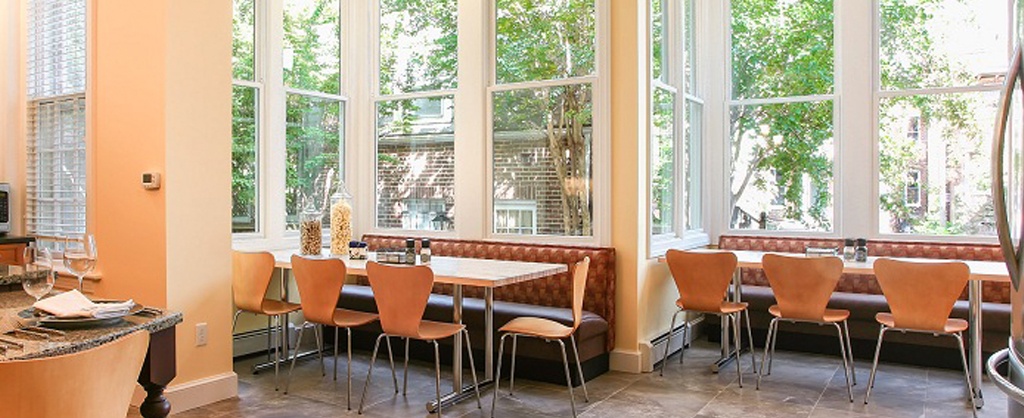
[250,279]
[549,330]
[320,281]
[95,383]
[702,279]
[401,294]
[921,297]
[803,287]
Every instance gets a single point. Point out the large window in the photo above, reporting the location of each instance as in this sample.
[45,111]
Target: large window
[940,66]
[288,107]
[415,114]
[676,112]
[542,113]
[56,79]
[781,115]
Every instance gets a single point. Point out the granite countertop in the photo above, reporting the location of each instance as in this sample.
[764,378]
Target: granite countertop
[11,275]
[75,340]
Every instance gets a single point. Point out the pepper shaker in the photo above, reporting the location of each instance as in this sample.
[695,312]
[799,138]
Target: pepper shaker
[862,250]
[425,251]
[410,251]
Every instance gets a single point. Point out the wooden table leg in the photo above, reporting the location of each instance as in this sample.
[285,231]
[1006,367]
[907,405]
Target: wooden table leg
[157,372]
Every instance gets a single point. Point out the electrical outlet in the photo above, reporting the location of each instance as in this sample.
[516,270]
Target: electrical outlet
[201,336]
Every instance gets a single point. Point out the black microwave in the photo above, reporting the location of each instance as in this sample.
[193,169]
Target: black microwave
[5,208]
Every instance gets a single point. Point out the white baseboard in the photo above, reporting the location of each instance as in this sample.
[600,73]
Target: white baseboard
[191,395]
[624,361]
[654,351]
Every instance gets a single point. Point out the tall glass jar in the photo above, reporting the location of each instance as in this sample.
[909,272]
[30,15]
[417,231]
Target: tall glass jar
[341,220]
[310,230]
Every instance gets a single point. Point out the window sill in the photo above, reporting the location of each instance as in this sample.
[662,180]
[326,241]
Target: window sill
[690,240]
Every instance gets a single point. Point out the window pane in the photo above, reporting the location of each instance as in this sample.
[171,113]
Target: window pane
[544,39]
[542,153]
[314,129]
[942,43]
[693,137]
[663,162]
[418,45]
[951,156]
[782,166]
[244,160]
[312,45]
[659,40]
[243,46]
[690,50]
[416,164]
[781,48]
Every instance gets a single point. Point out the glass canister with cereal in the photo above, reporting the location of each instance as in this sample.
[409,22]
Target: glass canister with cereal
[341,220]
[310,230]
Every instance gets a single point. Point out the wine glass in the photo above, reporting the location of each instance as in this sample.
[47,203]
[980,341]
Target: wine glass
[38,278]
[80,256]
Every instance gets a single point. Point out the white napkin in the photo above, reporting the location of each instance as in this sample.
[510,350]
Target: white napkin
[74,304]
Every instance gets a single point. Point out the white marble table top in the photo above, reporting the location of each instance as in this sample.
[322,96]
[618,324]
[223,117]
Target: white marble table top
[980,270]
[455,270]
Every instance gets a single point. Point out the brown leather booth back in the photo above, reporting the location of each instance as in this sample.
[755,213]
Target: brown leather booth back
[997,292]
[555,291]
[921,295]
[701,278]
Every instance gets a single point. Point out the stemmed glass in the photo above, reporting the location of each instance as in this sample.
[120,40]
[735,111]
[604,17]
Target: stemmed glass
[38,279]
[80,256]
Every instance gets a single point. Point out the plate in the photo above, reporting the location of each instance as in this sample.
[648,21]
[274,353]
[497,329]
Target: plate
[51,321]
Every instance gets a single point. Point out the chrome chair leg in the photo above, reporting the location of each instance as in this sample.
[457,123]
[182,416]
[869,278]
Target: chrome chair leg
[270,337]
[369,373]
[497,375]
[319,335]
[405,372]
[391,359]
[512,370]
[874,364]
[437,377]
[737,343]
[579,367]
[298,344]
[686,334]
[967,374]
[750,341]
[568,378]
[767,344]
[846,364]
[668,343]
[234,322]
[849,350]
[348,342]
[771,357]
[472,368]
[335,354]
[277,351]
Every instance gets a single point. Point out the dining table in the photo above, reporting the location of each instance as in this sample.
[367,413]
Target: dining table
[158,369]
[459,272]
[980,271]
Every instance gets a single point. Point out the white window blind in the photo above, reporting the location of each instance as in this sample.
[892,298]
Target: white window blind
[55,184]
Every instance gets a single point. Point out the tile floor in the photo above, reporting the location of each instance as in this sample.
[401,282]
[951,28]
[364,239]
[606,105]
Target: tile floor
[801,385]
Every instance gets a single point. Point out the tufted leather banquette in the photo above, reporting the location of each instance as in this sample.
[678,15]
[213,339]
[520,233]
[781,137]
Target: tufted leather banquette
[862,295]
[549,297]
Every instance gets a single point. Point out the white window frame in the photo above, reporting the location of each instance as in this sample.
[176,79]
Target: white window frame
[529,206]
[837,155]
[600,136]
[682,236]
[271,150]
[879,93]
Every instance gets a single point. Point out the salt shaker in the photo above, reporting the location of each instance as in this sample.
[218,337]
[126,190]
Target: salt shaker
[849,253]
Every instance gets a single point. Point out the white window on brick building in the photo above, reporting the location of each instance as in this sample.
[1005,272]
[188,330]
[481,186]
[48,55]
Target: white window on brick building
[515,217]
[424,214]
[912,191]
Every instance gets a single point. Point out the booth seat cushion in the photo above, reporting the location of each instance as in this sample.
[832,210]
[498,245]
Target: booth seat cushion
[554,291]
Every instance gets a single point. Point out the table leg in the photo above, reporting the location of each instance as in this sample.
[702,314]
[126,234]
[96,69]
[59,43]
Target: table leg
[974,336]
[727,355]
[457,347]
[460,393]
[158,369]
[488,333]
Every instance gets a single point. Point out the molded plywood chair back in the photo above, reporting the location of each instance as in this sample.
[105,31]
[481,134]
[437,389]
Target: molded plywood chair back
[250,278]
[401,294]
[802,285]
[921,295]
[701,278]
[320,281]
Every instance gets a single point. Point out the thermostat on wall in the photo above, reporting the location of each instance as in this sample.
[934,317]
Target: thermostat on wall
[151,181]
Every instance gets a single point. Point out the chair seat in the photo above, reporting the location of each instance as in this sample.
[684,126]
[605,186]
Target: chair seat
[952,326]
[537,327]
[348,319]
[430,330]
[725,308]
[830,315]
[277,307]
